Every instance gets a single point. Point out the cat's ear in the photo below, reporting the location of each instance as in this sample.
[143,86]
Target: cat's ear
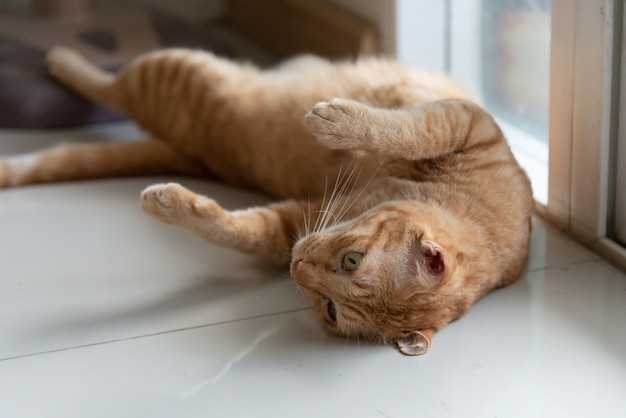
[435,258]
[429,265]
[415,343]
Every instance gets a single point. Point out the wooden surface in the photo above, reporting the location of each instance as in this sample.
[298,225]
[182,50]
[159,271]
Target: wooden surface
[289,27]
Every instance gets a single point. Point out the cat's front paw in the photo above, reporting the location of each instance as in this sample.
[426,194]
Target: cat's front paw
[337,124]
[172,203]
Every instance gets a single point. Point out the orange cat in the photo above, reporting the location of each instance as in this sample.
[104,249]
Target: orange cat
[404,204]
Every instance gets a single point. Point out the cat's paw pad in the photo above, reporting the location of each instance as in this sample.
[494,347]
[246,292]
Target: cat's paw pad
[335,123]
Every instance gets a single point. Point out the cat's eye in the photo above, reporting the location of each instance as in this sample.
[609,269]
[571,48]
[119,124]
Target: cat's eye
[351,260]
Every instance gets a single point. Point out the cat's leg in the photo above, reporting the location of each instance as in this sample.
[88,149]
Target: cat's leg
[98,160]
[73,70]
[422,132]
[268,232]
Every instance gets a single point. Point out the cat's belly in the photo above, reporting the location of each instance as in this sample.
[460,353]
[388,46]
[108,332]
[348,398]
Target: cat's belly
[283,169]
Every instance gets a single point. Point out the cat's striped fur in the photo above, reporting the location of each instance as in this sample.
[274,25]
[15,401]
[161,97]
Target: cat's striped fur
[404,204]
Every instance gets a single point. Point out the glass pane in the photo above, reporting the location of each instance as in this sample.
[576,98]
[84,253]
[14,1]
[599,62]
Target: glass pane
[516,62]
[500,49]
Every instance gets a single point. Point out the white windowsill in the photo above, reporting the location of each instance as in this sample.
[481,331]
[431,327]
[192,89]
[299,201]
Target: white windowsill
[532,155]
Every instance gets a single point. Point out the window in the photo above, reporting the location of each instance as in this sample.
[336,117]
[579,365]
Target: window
[500,49]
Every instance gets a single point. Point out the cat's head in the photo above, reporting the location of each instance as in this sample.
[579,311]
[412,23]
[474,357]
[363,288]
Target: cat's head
[385,275]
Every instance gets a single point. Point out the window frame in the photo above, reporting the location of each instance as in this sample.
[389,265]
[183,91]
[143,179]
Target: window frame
[584,94]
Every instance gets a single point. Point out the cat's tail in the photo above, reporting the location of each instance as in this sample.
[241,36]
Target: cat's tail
[74,71]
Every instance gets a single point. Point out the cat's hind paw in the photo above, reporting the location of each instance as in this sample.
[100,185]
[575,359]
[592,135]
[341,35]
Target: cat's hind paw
[172,203]
[4,174]
[337,124]
[60,58]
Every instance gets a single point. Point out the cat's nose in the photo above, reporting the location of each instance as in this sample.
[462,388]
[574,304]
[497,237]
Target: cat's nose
[296,266]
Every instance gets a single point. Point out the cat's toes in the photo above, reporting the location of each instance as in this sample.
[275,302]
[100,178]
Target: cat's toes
[335,123]
[154,200]
[4,174]
[164,201]
[59,58]
[172,203]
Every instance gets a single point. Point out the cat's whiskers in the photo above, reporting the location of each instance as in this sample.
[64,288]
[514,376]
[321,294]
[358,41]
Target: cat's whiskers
[317,219]
[343,211]
[347,341]
[338,194]
[345,178]
[325,211]
[344,198]
[334,196]
[345,208]
[336,204]
[298,236]
[308,221]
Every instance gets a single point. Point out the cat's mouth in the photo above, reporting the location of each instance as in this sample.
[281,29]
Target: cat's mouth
[329,312]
